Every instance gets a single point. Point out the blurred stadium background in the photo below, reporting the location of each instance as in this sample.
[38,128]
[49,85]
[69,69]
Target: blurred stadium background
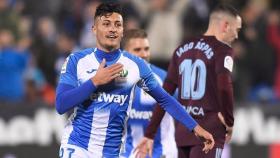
[36,36]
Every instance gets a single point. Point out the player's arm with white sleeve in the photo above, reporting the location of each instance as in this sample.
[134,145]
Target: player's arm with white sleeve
[69,94]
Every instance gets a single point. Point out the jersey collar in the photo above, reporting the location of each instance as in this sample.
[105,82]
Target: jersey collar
[112,56]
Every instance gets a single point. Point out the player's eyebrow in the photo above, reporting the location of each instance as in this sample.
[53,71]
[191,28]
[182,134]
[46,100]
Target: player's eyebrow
[105,20]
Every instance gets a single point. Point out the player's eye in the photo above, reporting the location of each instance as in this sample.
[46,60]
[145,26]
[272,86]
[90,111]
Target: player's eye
[137,49]
[118,24]
[106,24]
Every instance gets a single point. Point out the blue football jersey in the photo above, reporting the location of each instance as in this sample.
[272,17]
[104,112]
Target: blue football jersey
[98,124]
[139,118]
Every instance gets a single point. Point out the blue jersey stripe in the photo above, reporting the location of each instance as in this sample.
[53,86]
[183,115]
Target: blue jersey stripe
[79,136]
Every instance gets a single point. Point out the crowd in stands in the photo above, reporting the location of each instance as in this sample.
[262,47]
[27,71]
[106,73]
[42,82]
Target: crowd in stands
[36,37]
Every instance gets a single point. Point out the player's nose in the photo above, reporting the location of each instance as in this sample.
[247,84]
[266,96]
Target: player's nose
[113,28]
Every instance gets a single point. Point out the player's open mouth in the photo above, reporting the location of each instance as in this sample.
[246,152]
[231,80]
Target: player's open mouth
[111,36]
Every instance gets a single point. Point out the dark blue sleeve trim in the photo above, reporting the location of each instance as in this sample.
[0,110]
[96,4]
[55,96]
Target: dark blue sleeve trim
[173,107]
[68,96]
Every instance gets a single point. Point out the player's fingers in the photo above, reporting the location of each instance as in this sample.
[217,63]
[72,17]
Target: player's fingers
[118,71]
[115,66]
[136,152]
[139,146]
[208,144]
[222,119]
[206,147]
[140,154]
[140,151]
[113,76]
[150,151]
[228,137]
[211,141]
[115,70]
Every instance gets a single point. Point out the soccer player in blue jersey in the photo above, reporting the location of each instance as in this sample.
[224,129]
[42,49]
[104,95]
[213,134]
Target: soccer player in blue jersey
[99,84]
[136,42]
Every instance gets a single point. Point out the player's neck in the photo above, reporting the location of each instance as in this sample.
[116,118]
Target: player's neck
[210,32]
[219,38]
[106,49]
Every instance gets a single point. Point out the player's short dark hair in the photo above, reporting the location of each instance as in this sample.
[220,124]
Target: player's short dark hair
[226,8]
[133,33]
[108,8]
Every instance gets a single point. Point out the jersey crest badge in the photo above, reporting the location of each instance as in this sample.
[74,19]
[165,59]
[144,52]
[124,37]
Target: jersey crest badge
[123,73]
[122,76]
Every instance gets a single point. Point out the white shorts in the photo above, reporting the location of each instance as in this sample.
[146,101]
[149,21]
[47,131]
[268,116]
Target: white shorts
[73,151]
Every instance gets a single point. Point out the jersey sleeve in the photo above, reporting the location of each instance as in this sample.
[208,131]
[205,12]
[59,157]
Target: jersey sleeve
[147,79]
[68,74]
[68,93]
[172,74]
[223,67]
[158,113]
[173,107]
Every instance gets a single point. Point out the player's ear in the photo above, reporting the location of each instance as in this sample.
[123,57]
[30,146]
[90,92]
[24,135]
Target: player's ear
[93,28]
[225,26]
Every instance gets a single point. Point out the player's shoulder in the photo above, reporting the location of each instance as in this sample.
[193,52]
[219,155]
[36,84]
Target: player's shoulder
[186,45]
[129,55]
[132,57]
[81,53]
[187,42]
[224,50]
[159,71]
[220,46]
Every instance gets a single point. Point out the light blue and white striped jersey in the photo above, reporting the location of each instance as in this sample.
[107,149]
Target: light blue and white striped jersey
[98,124]
[139,118]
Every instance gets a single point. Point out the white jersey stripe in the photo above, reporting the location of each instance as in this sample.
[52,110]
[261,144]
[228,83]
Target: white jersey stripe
[98,131]
[169,147]
[68,128]
[127,114]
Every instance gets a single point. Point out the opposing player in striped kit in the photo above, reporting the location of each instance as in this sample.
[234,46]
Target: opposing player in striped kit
[136,42]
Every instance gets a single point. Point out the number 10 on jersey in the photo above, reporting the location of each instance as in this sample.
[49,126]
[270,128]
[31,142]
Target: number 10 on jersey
[193,79]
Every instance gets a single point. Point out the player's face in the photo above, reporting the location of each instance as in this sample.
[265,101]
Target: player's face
[139,47]
[233,27]
[109,31]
